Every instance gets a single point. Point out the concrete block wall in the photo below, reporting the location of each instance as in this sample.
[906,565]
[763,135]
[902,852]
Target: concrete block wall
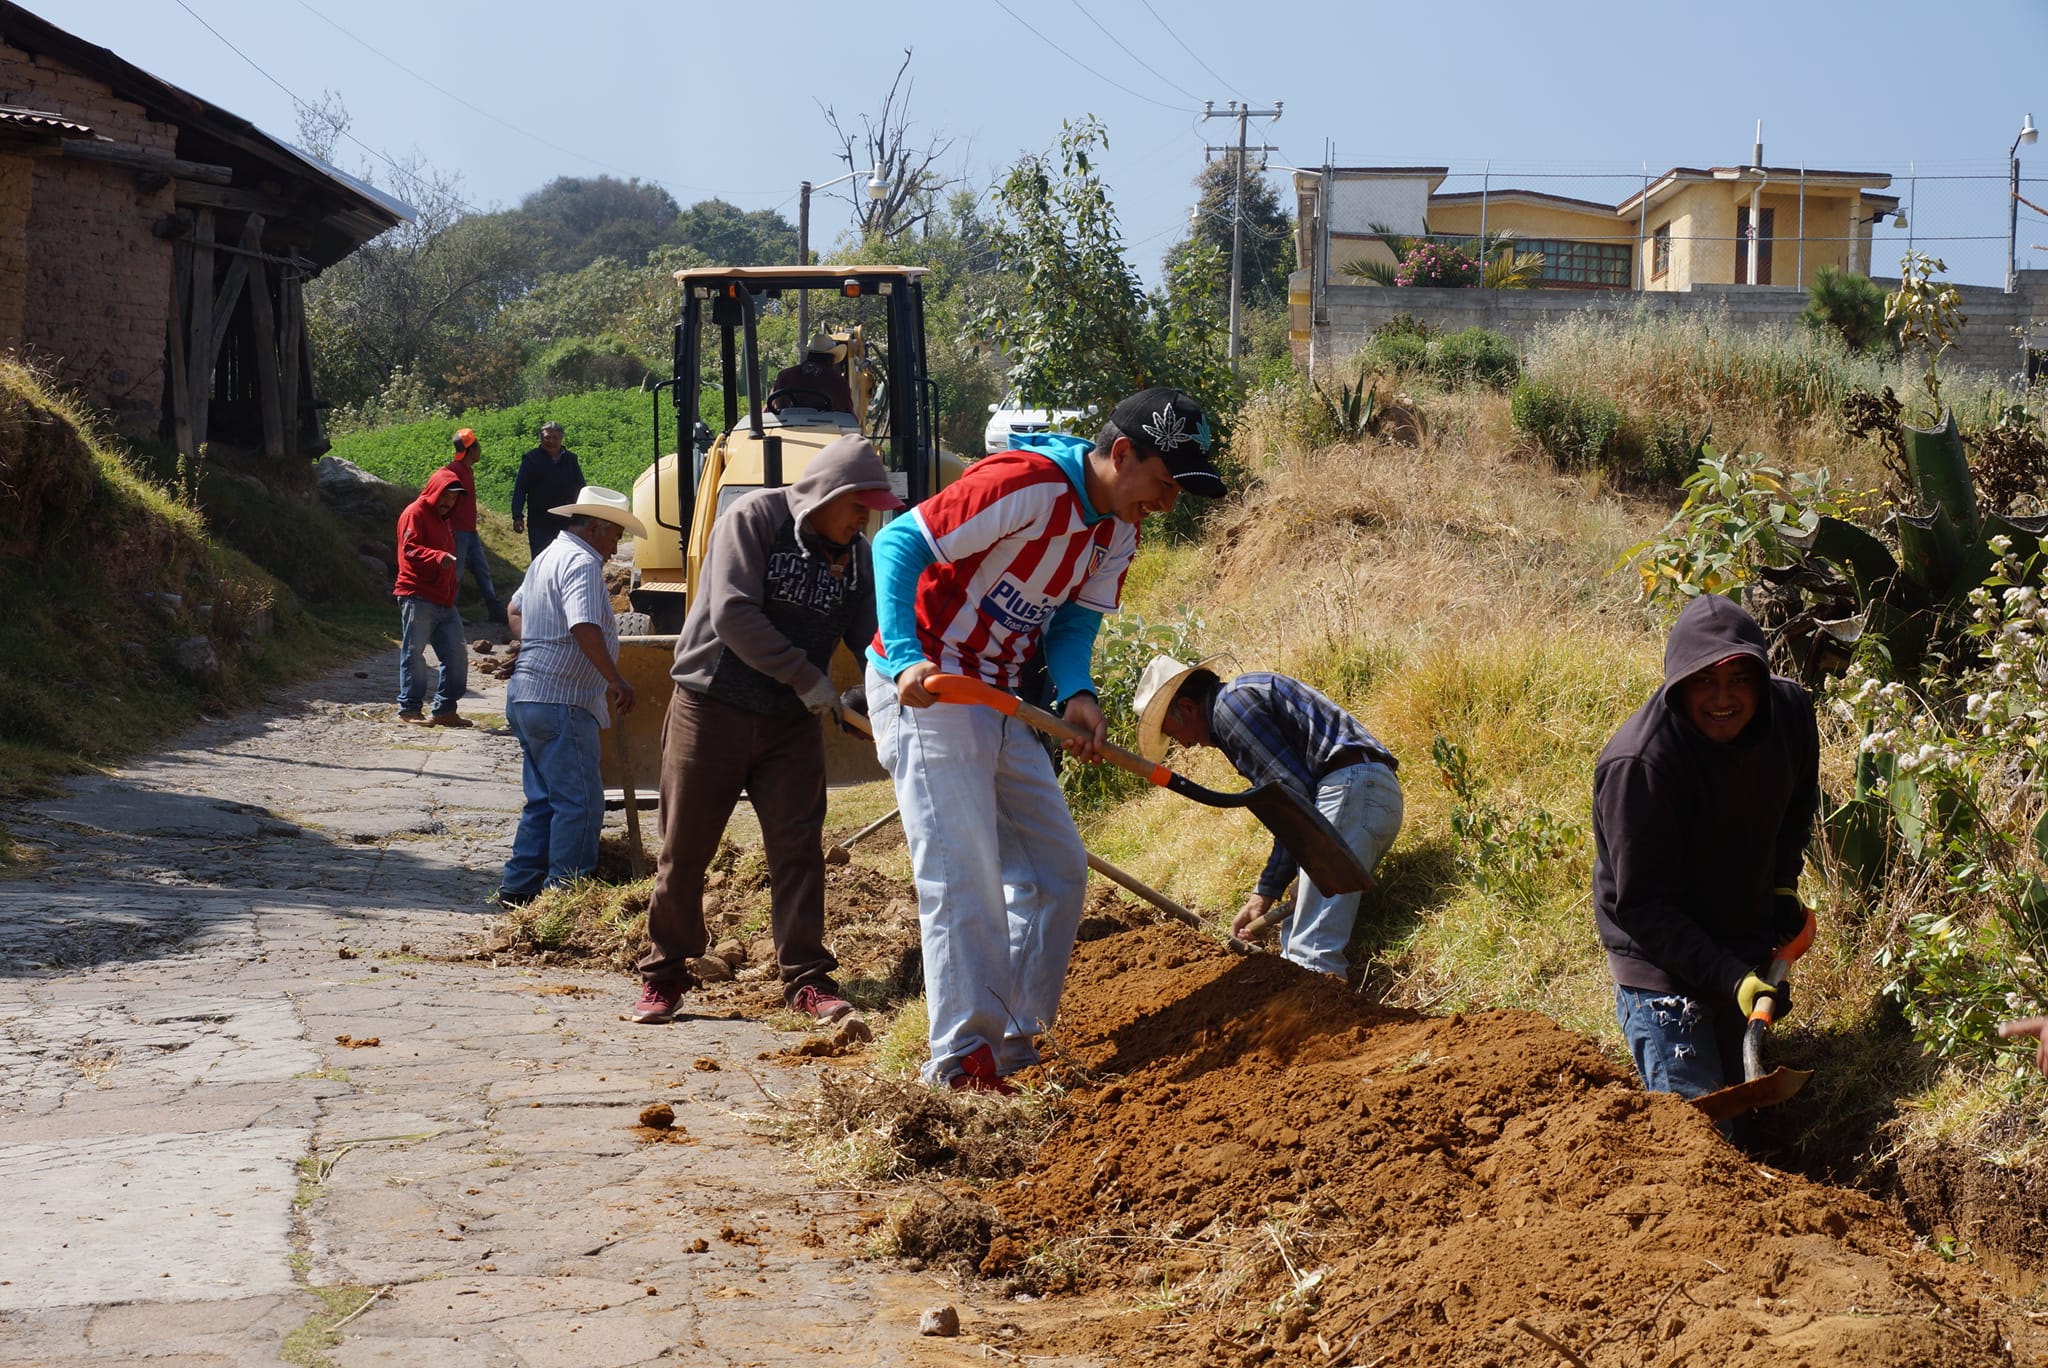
[1989,341]
[96,295]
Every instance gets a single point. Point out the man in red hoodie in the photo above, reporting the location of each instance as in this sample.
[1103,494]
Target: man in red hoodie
[425,590]
[469,547]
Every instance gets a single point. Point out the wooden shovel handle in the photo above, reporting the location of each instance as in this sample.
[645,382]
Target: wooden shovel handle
[952,688]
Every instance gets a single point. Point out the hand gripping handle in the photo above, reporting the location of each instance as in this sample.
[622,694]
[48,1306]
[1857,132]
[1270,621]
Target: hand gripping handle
[1781,965]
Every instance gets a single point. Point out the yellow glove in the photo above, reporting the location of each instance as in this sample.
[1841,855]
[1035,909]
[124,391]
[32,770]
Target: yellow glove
[1754,986]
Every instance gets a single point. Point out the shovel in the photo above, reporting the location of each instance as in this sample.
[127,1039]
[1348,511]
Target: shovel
[1758,1088]
[1322,853]
[851,717]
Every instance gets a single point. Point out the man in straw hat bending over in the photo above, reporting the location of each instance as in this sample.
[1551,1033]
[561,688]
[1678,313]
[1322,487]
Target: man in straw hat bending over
[555,703]
[1277,729]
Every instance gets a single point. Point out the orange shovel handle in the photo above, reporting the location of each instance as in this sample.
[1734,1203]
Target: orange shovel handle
[952,688]
[1781,965]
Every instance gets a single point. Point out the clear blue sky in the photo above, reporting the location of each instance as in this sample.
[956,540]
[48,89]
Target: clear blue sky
[698,97]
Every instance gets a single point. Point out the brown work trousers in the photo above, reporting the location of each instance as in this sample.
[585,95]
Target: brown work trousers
[711,752]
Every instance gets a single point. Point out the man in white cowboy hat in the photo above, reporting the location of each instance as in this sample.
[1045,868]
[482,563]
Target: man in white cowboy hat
[566,671]
[1275,729]
[821,375]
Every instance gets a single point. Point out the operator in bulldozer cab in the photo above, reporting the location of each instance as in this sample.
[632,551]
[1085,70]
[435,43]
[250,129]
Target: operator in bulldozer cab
[816,382]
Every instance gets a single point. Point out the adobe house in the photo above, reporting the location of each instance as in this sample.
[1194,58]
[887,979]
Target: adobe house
[154,248]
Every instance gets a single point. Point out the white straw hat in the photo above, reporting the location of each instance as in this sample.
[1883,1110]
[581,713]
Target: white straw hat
[1156,689]
[595,501]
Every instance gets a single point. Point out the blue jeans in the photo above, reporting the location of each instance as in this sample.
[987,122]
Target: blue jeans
[469,555]
[556,842]
[1000,873]
[1364,803]
[422,624]
[1680,1044]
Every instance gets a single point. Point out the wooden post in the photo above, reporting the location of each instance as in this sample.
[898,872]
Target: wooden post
[294,303]
[265,319]
[224,307]
[199,355]
[174,349]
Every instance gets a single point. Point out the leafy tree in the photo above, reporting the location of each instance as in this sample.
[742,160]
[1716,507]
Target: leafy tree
[1075,333]
[1266,238]
[727,235]
[573,220]
[413,299]
[915,187]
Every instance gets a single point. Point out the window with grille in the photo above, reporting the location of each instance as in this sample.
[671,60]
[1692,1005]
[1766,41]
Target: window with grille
[1660,252]
[1586,265]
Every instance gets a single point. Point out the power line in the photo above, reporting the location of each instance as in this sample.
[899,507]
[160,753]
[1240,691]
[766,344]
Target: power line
[1171,33]
[442,89]
[1081,64]
[1130,54]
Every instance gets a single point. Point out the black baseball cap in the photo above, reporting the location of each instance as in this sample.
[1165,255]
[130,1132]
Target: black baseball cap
[1169,424]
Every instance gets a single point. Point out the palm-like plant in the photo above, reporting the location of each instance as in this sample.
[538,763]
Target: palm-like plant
[1504,267]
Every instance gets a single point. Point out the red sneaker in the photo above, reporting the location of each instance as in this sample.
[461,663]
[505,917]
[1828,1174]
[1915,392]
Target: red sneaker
[826,1007]
[658,1003]
[978,1074]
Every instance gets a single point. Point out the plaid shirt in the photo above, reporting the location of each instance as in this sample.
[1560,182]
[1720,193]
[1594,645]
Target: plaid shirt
[1276,729]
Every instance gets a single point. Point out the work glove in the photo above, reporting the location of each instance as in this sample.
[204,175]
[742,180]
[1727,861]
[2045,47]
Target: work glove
[1754,986]
[1788,916]
[821,698]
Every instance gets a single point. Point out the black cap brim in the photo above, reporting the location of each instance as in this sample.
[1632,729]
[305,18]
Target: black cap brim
[1205,484]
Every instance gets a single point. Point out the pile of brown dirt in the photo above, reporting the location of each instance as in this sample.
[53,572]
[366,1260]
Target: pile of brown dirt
[1297,1176]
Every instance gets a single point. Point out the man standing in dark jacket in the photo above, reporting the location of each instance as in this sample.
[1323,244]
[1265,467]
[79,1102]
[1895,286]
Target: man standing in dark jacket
[548,475]
[1702,807]
[788,578]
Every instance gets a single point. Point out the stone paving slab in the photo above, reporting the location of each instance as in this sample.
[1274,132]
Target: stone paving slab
[201,928]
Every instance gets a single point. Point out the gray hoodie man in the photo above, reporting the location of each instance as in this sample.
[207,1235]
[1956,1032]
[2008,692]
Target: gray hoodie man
[786,580]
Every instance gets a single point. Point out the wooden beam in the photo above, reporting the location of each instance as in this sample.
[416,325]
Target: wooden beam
[136,159]
[200,330]
[174,348]
[266,339]
[203,196]
[294,301]
[224,306]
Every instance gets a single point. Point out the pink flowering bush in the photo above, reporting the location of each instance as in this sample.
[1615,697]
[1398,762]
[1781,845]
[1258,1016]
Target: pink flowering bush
[1435,263]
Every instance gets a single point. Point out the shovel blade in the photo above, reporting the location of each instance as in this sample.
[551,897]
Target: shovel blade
[1315,845]
[1779,1085]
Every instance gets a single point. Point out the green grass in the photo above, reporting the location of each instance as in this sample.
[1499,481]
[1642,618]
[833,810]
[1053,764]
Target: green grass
[611,432]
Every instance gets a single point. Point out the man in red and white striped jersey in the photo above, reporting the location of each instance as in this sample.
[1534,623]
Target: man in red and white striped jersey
[1027,549]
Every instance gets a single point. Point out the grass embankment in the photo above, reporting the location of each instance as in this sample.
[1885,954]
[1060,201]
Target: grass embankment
[129,614]
[611,432]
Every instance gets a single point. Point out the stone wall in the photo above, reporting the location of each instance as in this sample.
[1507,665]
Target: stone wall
[1988,339]
[96,295]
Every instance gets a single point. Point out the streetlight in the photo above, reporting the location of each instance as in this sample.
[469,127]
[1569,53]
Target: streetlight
[877,188]
[2028,133]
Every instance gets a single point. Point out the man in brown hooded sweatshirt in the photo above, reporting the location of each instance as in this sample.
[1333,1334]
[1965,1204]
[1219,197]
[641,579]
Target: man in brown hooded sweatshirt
[1702,807]
[788,578]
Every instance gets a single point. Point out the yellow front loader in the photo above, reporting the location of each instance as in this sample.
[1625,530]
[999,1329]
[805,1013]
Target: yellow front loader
[762,433]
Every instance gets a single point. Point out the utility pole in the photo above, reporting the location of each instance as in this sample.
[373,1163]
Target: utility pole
[1241,113]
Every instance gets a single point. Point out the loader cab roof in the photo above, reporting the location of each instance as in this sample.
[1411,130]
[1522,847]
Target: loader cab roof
[766,279]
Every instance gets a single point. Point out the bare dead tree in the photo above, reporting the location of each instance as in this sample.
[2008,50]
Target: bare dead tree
[909,170]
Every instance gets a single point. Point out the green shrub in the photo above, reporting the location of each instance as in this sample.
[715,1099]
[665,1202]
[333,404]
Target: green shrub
[1850,307]
[576,365]
[1474,356]
[1396,351]
[1578,431]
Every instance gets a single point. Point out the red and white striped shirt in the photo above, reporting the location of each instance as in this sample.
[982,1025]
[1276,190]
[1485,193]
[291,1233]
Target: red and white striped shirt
[1011,545]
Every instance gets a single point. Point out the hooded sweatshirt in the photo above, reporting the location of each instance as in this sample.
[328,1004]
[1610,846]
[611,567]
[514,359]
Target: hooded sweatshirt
[426,545]
[1692,836]
[769,609]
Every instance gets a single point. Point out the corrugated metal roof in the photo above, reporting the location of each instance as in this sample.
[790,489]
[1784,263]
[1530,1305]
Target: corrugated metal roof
[45,120]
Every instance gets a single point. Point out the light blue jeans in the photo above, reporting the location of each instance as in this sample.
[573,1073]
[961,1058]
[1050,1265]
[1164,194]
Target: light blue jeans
[1364,803]
[558,828]
[422,624]
[469,555]
[1000,873]
[1680,1044]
